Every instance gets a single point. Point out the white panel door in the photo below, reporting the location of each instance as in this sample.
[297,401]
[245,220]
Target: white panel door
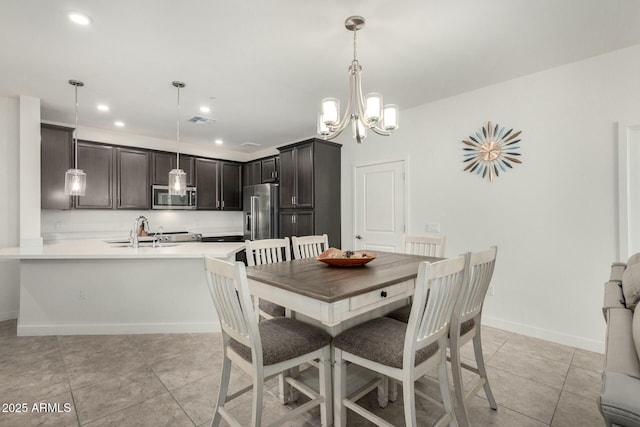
[379,207]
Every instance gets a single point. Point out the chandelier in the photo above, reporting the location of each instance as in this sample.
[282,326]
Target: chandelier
[362,112]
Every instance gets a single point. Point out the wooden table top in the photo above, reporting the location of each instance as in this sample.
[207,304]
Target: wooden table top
[314,279]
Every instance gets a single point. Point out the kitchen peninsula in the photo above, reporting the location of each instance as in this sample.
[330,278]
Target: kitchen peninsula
[88,286]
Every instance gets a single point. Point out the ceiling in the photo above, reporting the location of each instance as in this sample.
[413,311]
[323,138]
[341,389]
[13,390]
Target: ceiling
[263,66]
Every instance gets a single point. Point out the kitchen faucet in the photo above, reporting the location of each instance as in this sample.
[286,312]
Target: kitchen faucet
[141,221]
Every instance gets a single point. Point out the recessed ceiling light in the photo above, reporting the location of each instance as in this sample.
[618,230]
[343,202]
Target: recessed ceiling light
[80,18]
[103,107]
[119,123]
[205,109]
[218,142]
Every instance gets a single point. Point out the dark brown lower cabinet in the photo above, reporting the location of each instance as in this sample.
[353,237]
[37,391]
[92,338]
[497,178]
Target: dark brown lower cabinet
[296,223]
[96,160]
[133,182]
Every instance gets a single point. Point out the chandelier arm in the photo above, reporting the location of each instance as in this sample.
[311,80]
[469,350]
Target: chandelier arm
[359,99]
[379,131]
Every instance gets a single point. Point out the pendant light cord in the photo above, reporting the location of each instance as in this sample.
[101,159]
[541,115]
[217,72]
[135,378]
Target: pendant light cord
[355,58]
[178,132]
[75,132]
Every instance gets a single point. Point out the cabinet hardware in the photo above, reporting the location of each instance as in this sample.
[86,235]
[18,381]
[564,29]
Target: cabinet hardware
[217,204]
[223,204]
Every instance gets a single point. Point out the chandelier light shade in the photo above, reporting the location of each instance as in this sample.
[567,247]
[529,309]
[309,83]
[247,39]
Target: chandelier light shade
[363,112]
[75,180]
[177,177]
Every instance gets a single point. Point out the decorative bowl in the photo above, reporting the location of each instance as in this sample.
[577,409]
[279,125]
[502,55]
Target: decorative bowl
[337,258]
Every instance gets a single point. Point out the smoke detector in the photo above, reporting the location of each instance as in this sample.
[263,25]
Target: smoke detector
[202,119]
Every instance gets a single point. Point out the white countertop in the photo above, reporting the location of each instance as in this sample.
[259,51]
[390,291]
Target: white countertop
[98,249]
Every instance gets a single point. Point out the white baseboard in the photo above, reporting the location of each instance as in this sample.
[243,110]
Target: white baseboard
[117,329]
[8,315]
[545,334]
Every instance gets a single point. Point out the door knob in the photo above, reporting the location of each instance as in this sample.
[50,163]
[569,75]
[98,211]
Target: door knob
[358,236]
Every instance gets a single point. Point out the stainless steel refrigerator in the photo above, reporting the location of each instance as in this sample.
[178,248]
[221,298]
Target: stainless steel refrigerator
[260,204]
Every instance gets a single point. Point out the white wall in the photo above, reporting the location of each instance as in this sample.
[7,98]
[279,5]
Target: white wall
[553,218]
[9,208]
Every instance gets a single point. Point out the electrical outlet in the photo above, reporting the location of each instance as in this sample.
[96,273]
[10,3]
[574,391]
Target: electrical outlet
[490,290]
[432,227]
[82,294]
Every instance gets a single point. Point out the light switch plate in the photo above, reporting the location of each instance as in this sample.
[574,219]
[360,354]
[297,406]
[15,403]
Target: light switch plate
[432,227]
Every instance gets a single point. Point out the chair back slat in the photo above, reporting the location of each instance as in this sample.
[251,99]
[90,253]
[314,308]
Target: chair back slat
[425,245]
[437,289]
[267,251]
[309,246]
[227,283]
[481,266]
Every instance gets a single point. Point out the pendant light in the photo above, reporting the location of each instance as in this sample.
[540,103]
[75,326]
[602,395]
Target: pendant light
[75,180]
[177,177]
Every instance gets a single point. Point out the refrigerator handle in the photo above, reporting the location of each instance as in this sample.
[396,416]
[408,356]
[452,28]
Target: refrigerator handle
[253,216]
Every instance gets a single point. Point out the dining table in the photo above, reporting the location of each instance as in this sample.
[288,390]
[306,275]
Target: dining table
[337,298]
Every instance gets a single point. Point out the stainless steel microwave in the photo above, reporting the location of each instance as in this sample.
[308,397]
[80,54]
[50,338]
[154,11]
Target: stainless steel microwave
[163,200]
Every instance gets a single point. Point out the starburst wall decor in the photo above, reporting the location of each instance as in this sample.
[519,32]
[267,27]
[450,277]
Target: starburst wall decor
[492,151]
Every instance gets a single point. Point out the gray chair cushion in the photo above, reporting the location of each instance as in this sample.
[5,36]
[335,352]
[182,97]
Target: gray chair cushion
[631,285]
[284,338]
[273,310]
[635,329]
[380,340]
[402,315]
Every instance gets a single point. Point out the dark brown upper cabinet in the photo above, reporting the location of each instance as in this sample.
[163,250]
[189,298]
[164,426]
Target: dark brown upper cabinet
[207,184]
[132,182]
[162,163]
[270,169]
[56,157]
[231,186]
[97,161]
[253,173]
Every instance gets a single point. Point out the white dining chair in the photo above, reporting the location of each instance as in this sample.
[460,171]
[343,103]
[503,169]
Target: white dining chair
[425,245]
[263,350]
[466,326]
[268,251]
[403,352]
[309,246]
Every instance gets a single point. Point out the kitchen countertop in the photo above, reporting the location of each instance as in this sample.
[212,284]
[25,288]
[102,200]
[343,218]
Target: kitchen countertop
[98,249]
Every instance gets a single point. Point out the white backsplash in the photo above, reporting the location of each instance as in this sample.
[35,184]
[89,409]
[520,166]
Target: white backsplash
[72,224]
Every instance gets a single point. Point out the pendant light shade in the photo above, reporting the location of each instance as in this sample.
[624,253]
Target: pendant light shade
[177,177]
[75,180]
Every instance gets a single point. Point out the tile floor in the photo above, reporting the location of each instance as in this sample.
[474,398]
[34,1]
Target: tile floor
[172,380]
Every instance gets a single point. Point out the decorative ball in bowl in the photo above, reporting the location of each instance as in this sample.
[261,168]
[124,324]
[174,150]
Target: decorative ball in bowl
[337,258]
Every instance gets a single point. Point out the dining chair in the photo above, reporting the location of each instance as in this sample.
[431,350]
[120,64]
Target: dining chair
[263,350]
[309,246]
[466,326]
[425,245]
[403,352]
[268,251]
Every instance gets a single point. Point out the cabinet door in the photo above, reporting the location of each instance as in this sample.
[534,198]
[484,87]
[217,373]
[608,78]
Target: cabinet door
[207,184]
[133,188]
[287,178]
[304,176]
[287,224]
[97,162]
[187,164]
[304,225]
[253,173]
[56,157]
[231,184]
[269,170]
